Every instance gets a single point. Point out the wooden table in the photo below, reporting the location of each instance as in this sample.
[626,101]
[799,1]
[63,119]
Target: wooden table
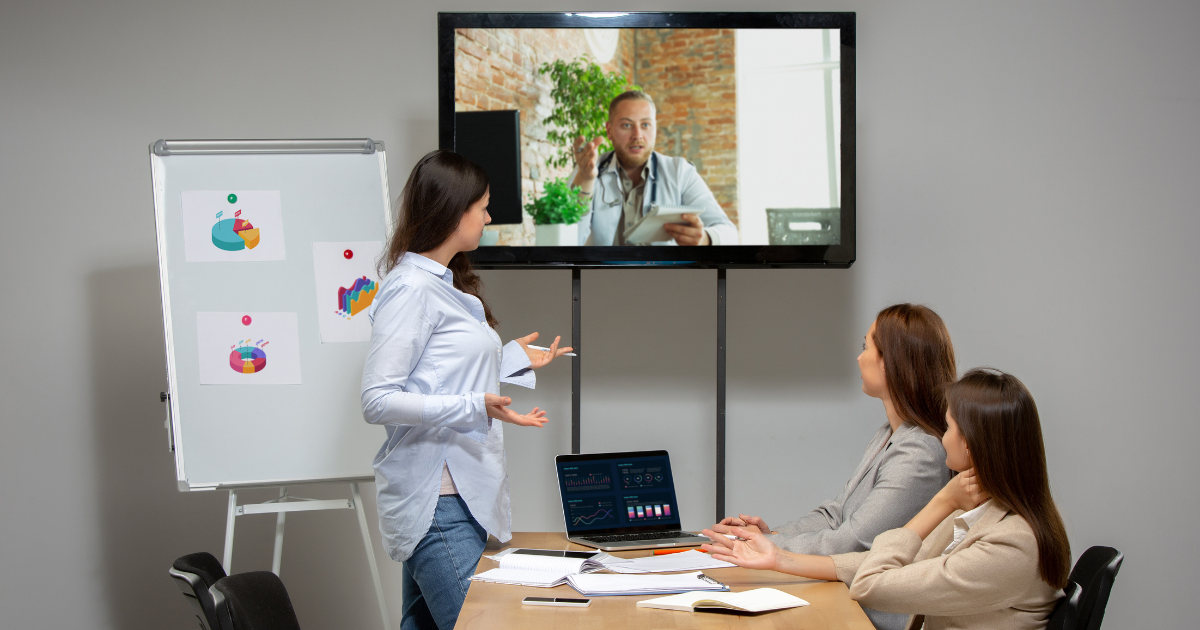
[498,606]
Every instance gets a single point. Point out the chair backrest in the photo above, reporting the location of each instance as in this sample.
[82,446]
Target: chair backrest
[194,574]
[256,600]
[1094,572]
[1066,612]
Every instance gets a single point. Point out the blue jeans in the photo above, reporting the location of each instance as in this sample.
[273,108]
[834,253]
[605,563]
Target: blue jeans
[437,575]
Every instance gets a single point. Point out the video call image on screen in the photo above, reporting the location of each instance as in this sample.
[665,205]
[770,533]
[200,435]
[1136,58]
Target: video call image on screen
[633,492]
[739,129]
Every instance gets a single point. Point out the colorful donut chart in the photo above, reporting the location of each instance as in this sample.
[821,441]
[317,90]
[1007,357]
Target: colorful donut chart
[247,359]
[234,235]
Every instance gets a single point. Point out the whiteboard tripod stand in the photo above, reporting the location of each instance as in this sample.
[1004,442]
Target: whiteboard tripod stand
[284,504]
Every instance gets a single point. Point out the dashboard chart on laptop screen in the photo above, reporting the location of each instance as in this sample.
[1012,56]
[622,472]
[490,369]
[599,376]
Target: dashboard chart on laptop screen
[618,492]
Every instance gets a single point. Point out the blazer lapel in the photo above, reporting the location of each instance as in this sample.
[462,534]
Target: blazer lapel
[870,458]
[990,517]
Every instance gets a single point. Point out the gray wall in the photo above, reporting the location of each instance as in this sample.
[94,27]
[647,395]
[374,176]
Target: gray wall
[1026,168]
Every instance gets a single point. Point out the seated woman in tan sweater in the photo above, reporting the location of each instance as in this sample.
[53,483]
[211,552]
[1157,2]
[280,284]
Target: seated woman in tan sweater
[988,551]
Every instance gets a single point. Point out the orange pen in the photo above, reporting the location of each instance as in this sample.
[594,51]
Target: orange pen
[663,552]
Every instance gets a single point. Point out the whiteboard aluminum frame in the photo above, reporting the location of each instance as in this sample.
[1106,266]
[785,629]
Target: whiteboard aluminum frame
[165,148]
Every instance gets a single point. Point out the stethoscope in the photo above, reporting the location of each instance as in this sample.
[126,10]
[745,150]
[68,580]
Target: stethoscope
[653,180]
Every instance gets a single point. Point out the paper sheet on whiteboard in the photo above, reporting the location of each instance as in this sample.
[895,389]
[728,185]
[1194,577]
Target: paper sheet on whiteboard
[346,285]
[248,348]
[232,225]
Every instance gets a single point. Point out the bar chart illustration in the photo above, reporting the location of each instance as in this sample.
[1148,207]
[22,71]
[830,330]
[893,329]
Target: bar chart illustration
[356,298]
[346,283]
[646,507]
[587,478]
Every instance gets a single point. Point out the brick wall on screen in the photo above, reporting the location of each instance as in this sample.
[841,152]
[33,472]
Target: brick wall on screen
[690,73]
[496,69]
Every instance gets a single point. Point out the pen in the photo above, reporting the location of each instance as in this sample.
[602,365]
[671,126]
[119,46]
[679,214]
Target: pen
[569,354]
[663,552]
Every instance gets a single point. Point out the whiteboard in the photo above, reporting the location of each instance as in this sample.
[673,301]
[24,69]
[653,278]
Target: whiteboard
[289,412]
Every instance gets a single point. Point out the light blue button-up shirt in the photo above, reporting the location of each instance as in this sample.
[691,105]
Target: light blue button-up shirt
[432,358]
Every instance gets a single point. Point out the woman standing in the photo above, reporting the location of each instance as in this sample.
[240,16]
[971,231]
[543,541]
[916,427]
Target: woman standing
[432,378]
[988,551]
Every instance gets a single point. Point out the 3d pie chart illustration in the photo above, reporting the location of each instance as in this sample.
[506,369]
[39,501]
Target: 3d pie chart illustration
[234,235]
[248,359]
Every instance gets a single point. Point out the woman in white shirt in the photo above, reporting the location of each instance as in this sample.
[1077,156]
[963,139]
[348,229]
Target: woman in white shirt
[432,378]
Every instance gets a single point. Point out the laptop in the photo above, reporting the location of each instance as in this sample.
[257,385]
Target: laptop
[621,501]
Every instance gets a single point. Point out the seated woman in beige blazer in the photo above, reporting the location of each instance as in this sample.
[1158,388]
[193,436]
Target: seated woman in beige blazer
[988,551]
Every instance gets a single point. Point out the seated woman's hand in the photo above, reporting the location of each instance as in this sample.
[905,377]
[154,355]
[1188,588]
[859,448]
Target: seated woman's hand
[964,492]
[755,551]
[750,523]
[541,358]
[497,407]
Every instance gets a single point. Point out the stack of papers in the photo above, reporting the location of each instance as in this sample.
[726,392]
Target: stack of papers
[683,561]
[599,585]
[539,567]
[755,601]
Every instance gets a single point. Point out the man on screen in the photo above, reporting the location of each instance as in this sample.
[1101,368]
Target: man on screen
[623,184]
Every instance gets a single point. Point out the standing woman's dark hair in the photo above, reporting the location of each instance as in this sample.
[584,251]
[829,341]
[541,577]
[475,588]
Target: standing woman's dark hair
[999,421]
[918,363]
[439,191]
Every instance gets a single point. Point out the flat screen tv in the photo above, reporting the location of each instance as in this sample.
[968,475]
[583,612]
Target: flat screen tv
[667,139]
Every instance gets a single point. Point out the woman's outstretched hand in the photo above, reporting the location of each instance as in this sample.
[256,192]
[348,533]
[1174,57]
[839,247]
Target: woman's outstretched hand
[497,407]
[754,552]
[540,358]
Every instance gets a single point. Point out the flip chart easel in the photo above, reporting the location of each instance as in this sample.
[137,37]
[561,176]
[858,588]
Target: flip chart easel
[306,427]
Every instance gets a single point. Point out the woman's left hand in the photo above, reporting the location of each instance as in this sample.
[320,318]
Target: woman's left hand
[541,358]
[753,551]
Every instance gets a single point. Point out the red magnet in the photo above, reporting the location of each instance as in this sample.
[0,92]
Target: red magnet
[348,254]
[245,320]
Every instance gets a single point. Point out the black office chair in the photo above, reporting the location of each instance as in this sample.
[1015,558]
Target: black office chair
[255,600]
[1066,611]
[195,573]
[1094,572]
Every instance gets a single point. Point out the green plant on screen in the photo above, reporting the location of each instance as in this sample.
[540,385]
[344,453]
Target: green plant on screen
[559,203]
[582,91]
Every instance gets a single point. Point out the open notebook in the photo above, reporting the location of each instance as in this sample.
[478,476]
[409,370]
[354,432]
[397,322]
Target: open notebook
[755,601]
[540,567]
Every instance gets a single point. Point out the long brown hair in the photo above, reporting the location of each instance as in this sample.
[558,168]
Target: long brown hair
[439,191]
[918,363]
[999,420]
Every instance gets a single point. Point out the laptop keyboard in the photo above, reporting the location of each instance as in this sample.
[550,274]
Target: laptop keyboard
[642,536]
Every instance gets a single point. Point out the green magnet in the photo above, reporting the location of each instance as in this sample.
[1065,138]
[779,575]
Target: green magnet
[232,198]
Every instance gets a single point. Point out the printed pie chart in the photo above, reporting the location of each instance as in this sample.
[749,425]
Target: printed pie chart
[247,359]
[234,235]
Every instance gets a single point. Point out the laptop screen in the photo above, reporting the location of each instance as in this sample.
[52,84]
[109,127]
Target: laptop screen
[617,492]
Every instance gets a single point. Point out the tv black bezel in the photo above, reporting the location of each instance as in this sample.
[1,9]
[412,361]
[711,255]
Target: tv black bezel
[841,255]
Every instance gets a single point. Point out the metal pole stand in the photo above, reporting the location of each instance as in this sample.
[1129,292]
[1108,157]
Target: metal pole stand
[284,504]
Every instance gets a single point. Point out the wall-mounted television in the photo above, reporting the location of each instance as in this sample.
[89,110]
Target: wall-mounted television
[686,139]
